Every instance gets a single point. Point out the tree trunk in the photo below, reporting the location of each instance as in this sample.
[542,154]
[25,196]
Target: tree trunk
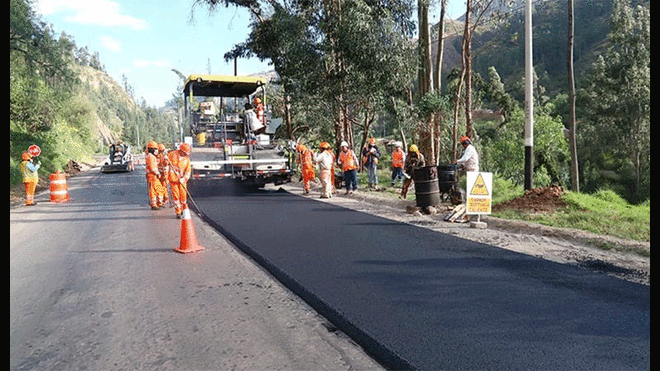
[437,71]
[425,83]
[425,72]
[457,104]
[575,175]
[467,63]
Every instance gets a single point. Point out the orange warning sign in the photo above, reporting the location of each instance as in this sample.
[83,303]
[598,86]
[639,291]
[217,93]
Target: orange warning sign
[479,188]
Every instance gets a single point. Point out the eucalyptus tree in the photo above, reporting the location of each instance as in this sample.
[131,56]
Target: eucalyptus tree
[340,57]
[617,106]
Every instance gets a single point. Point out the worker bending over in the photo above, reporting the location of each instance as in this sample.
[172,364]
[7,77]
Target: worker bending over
[414,159]
[470,159]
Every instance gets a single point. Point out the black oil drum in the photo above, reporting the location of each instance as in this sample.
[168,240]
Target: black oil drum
[447,178]
[426,186]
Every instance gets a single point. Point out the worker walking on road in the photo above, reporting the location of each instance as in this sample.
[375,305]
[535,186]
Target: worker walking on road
[413,160]
[163,194]
[153,174]
[326,161]
[179,175]
[30,177]
[306,163]
[348,162]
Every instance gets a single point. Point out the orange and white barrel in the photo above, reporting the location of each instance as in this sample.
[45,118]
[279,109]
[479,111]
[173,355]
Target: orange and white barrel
[59,192]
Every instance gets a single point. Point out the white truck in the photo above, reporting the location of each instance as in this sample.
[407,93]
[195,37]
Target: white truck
[223,146]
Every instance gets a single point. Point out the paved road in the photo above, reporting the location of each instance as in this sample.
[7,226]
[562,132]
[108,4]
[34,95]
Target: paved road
[95,285]
[426,300]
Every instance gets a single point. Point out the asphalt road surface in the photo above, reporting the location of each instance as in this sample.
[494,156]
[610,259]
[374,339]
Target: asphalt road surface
[420,299]
[95,285]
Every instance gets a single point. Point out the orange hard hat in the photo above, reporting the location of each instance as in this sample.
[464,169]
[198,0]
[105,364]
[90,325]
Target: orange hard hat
[161,147]
[257,100]
[152,144]
[324,145]
[26,156]
[465,138]
[185,148]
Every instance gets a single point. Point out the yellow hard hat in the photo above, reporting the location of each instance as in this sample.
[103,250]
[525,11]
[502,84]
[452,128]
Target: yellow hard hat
[413,148]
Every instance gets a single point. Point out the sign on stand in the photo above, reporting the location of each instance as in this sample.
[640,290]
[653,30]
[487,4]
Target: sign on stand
[479,187]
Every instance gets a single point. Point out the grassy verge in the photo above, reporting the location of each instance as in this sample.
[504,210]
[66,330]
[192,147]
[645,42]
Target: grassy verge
[603,213]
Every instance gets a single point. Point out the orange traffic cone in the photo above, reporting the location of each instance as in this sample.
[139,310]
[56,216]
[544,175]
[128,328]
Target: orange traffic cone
[188,241]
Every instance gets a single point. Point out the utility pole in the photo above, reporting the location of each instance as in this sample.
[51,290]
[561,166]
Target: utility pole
[575,174]
[529,99]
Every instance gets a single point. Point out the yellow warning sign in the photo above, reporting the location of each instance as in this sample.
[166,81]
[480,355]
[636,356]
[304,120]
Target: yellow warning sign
[479,187]
[478,205]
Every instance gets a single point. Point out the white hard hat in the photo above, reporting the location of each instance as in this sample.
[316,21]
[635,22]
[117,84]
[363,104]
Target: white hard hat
[343,144]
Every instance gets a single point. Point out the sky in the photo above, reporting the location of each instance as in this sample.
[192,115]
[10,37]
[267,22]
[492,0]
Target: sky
[144,40]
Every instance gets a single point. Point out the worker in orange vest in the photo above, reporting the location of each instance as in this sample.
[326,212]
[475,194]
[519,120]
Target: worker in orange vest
[398,159]
[179,174]
[306,163]
[153,174]
[259,110]
[163,194]
[348,162]
[30,177]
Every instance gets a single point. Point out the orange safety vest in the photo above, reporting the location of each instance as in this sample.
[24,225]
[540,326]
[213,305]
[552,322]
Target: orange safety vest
[397,158]
[152,167]
[306,159]
[162,165]
[347,160]
[307,163]
[28,176]
[259,111]
[181,167]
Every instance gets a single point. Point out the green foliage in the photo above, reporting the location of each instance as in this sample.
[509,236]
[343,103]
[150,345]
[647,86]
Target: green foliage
[604,212]
[608,213]
[432,103]
[503,152]
[616,105]
[60,99]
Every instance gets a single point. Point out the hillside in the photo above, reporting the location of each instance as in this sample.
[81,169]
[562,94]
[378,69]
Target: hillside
[501,44]
[109,128]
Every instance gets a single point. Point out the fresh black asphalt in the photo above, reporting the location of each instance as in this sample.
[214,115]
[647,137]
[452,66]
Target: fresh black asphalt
[419,299]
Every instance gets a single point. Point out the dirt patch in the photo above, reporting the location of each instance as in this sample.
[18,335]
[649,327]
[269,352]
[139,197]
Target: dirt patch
[537,200]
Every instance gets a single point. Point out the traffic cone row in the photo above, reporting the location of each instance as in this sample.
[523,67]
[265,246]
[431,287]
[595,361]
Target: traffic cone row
[188,242]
